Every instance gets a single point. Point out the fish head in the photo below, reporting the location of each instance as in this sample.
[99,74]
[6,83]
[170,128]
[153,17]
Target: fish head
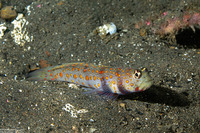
[144,80]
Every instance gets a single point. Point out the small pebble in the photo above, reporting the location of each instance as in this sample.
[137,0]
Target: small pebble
[8,12]
[122,105]
[143,32]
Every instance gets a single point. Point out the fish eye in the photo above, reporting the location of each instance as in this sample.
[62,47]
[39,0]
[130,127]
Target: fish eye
[137,74]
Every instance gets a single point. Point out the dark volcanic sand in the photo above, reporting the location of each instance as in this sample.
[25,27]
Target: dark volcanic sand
[171,105]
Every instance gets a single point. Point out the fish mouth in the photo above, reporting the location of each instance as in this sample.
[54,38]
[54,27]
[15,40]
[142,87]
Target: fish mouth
[146,84]
[147,81]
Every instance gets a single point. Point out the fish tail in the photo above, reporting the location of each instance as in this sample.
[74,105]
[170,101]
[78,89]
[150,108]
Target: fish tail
[38,75]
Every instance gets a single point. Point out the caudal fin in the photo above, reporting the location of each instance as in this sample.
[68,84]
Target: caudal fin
[37,75]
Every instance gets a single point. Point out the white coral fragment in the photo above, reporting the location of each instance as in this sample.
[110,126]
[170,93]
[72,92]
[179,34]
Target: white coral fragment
[19,33]
[2,29]
[74,112]
[105,29]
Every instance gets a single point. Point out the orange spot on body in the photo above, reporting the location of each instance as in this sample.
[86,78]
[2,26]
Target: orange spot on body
[63,70]
[67,75]
[98,85]
[137,89]
[83,84]
[49,70]
[94,78]
[110,76]
[90,77]
[87,77]
[113,72]
[77,82]
[73,69]
[92,70]
[51,74]
[61,74]
[106,77]
[56,76]
[75,76]
[80,76]
[127,81]
[78,69]
[106,71]
[131,84]
[98,78]
[73,65]
[65,79]
[95,86]
[100,72]
[127,73]
[97,71]
[72,80]
[113,82]
[52,78]
[114,89]
[90,85]
[85,70]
